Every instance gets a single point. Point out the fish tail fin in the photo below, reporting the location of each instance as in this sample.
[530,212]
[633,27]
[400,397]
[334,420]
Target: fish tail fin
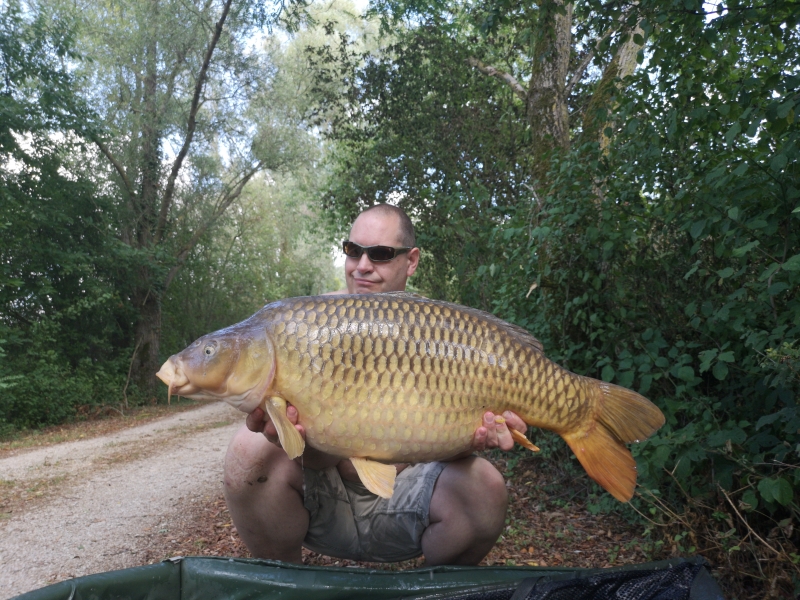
[621,416]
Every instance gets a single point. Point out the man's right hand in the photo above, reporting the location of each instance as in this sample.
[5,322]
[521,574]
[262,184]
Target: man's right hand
[259,422]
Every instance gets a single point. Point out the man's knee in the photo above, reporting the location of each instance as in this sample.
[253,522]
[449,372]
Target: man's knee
[252,460]
[474,487]
[477,483]
[467,513]
[487,496]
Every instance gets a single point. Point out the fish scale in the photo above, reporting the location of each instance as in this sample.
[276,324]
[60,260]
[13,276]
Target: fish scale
[400,378]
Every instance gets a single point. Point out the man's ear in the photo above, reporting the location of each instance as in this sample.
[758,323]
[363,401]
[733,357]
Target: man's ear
[413,261]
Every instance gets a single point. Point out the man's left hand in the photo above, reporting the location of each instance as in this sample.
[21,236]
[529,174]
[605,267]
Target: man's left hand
[492,434]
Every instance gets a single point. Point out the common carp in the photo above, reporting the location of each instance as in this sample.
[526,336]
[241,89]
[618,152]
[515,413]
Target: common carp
[395,377]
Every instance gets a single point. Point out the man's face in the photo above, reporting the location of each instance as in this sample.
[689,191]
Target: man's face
[366,277]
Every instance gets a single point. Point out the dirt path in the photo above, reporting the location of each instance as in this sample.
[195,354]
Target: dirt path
[89,506]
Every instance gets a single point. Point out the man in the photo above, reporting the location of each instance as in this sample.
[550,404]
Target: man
[452,512]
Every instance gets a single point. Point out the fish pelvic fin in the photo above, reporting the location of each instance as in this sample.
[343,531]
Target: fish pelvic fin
[621,416]
[291,440]
[377,477]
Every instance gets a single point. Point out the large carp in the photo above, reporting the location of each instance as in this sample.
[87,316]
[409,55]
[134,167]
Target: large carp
[395,377]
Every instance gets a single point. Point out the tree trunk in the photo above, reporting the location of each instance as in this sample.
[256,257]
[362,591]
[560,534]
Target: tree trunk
[547,112]
[148,302]
[595,119]
[148,335]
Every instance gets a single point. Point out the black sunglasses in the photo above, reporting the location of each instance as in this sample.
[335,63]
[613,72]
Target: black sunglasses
[374,253]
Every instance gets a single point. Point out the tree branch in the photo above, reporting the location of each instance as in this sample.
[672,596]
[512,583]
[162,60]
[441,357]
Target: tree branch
[576,77]
[116,164]
[520,91]
[183,253]
[169,191]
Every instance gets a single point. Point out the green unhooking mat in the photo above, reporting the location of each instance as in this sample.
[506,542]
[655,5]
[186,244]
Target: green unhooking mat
[197,578]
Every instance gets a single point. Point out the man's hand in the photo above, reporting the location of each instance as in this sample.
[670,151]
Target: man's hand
[258,422]
[494,434]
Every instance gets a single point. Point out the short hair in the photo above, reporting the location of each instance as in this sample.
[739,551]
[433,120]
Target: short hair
[407,236]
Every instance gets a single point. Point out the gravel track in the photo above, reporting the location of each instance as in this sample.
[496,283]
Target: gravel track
[105,497]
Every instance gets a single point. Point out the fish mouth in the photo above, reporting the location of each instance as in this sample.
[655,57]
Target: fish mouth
[174,377]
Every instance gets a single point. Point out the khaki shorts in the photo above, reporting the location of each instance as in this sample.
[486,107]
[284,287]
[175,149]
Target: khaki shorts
[348,521]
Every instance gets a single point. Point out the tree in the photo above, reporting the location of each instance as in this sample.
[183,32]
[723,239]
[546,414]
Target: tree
[60,270]
[176,85]
[658,249]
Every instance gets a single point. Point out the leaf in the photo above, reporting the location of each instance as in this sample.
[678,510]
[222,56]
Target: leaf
[776,490]
[778,162]
[720,371]
[768,420]
[706,356]
[607,373]
[749,500]
[742,250]
[725,273]
[625,378]
[686,373]
[720,438]
[777,288]
[731,134]
[727,356]
[765,489]
[733,213]
[767,273]
[741,169]
[783,493]
[792,263]
[692,271]
[697,228]
[784,109]
[647,381]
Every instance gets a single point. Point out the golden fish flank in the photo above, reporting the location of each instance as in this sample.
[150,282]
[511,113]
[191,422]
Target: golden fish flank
[399,378]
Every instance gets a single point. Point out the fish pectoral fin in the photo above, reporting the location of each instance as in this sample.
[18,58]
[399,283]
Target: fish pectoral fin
[377,477]
[291,440]
[522,440]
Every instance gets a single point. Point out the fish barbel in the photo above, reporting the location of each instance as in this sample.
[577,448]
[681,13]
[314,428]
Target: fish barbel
[395,377]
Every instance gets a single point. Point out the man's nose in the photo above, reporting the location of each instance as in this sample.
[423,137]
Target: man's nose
[365,264]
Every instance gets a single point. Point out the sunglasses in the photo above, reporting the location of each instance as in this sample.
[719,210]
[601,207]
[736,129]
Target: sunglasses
[374,253]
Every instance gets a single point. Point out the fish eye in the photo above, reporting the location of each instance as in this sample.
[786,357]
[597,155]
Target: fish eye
[209,350]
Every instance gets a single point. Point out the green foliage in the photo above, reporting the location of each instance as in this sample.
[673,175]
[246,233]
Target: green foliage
[667,262]
[264,251]
[62,277]
[83,247]
[409,131]
[45,388]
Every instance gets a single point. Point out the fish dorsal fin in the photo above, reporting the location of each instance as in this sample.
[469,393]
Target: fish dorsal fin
[521,334]
[521,331]
[377,477]
[291,440]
